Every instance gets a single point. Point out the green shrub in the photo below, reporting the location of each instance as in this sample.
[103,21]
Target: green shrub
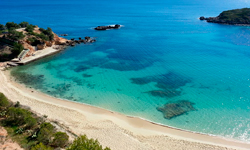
[83,143]
[46,133]
[31,40]
[17,104]
[41,146]
[2,27]
[15,35]
[48,126]
[44,136]
[30,122]
[3,100]
[29,28]
[60,139]
[17,49]
[18,117]
[24,24]
[43,37]
[9,25]
[48,33]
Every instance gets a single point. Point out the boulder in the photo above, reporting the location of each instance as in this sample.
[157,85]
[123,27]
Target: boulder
[49,43]
[202,18]
[117,26]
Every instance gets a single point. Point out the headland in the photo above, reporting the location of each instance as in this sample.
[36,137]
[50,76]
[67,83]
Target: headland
[231,17]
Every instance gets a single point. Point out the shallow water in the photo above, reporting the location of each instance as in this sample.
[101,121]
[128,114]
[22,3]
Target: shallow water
[162,55]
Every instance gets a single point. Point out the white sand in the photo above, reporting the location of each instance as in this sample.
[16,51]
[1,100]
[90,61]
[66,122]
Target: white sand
[117,131]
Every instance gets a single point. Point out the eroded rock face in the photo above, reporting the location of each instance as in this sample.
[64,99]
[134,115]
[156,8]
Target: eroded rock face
[58,40]
[6,143]
[41,46]
[49,43]
[174,109]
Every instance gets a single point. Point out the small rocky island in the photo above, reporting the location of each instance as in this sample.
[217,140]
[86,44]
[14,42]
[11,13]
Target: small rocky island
[232,17]
[117,26]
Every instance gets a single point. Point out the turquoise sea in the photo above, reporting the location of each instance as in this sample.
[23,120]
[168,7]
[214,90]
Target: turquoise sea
[162,55]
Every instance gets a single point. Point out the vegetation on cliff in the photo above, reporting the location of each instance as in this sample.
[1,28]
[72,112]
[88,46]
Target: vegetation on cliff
[233,17]
[32,132]
[28,35]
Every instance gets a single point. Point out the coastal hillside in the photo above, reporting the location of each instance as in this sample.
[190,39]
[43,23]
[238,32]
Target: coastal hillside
[14,38]
[22,129]
[233,17]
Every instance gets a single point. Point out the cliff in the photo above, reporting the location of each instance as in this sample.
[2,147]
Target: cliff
[232,17]
[32,41]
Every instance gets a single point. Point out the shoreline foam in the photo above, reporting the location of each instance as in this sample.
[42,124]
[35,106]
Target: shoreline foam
[108,126]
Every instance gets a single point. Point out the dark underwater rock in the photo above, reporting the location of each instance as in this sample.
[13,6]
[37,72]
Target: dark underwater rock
[81,68]
[87,75]
[169,84]
[174,109]
[165,93]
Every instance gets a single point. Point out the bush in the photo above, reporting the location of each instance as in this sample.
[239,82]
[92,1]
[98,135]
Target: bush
[30,122]
[48,33]
[31,40]
[2,27]
[24,24]
[9,25]
[43,37]
[60,139]
[83,143]
[30,28]
[41,146]
[48,126]
[46,132]
[44,136]
[17,49]
[18,117]
[3,100]
[15,35]
[17,104]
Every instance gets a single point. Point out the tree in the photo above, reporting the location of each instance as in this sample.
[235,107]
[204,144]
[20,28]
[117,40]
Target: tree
[2,27]
[18,117]
[83,143]
[9,25]
[47,125]
[24,24]
[17,49]
[44,136]
[3,100]
[15,35]
[43,37]
[48,33]
[41,146]
[60,139]
[46,132]
[29,28]
[30,122]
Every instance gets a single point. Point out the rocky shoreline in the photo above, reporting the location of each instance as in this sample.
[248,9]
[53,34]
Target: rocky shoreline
[74,41]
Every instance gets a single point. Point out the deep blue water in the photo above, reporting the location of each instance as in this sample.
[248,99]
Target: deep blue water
[162,55]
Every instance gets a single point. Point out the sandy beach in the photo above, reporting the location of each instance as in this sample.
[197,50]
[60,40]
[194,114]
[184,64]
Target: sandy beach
[117,131]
